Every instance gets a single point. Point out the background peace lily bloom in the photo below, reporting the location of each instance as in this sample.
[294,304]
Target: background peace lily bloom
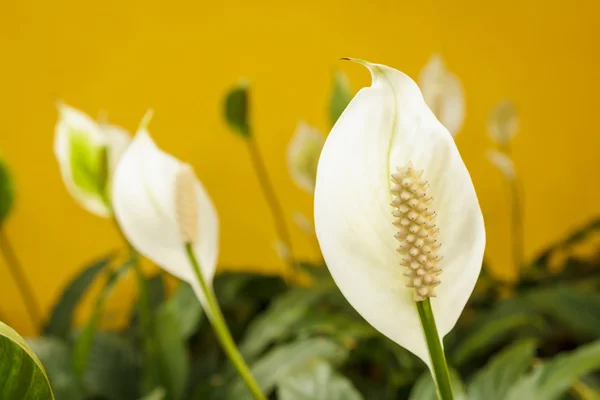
[303,155]
[503,122]
[386,131]
[165,213]
[443,93]
[88,154]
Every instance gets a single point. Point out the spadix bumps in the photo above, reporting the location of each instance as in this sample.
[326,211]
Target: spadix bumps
[369,245]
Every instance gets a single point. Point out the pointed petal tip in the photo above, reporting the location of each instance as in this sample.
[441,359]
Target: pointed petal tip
[146,120]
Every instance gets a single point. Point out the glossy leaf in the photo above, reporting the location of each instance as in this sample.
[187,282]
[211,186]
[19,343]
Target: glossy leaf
[83,342]
[424,388]
[61,317]
[495,380]
[55,355]
[283,360]
[22,375]
[112,371]
[317,381]
[552,379]
[186,308]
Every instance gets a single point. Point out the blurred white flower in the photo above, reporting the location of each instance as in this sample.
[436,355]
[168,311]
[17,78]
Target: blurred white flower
[161,206]
[282,250]
[503,122]
[391,186]
[88,154]
[443,93]
[303,155]
[503,163]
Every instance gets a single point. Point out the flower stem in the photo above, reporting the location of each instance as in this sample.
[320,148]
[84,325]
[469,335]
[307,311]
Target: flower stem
[440,373]
[221,329]
[16,270]
[516,204]
[272,201]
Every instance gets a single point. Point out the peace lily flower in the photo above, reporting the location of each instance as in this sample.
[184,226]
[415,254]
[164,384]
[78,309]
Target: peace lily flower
[303,155]
[166,214]
[443,93]
[503,122]
[87,154]
[391,189]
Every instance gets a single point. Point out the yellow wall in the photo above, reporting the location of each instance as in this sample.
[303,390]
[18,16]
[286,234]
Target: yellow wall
[179,57]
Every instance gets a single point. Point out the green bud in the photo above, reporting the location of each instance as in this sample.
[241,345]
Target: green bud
[7,191]
[236,109]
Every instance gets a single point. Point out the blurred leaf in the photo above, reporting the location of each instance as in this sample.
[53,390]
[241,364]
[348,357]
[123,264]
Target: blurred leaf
[283,360]
[424,388]
[575,237]
[155,286]
[156,394]
[499,324]
[342,327]
[236,109]
[7,191]
[186,308]
[22,375]
[317,381]
[171,352]
[84,340]
[111,372]
[495,380]
[61,317]
[55,355]
[554,377]
[278,321]
[340,96]
[575,310]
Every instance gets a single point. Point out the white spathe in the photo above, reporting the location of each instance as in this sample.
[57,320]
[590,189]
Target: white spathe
[443,93]
[303,155]
[146,207]
[385,126]
[72,123]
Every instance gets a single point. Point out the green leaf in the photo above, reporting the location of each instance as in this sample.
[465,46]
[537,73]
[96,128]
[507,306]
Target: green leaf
[83,342]
[317,381]
[574,310]
[55,355]
[171,352]
[495,380]
[340,96]
[279,320]
[156,394]
[22,375]
[112,372]
[7,191]
[283,360]
[236,109]
[186,308]
[424,388]
[61,317]
[89,164]
[553,378]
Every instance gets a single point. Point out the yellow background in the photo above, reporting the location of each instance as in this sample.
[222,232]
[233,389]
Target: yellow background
[180,57]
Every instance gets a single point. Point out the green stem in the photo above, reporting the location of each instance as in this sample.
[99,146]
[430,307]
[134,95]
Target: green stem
[221,329]
[16,270]
[440,373]
[272,201]
[516,204]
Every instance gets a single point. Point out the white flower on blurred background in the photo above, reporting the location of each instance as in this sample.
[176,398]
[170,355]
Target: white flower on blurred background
[160,206]
[391,186]
[503,122]
[503,162]
[87,154]
[443,93]
[303,155]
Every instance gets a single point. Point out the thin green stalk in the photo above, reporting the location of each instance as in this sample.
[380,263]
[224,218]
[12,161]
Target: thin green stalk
[516,214]
[221,329]
[272,201]
[16,270]
[440,373]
